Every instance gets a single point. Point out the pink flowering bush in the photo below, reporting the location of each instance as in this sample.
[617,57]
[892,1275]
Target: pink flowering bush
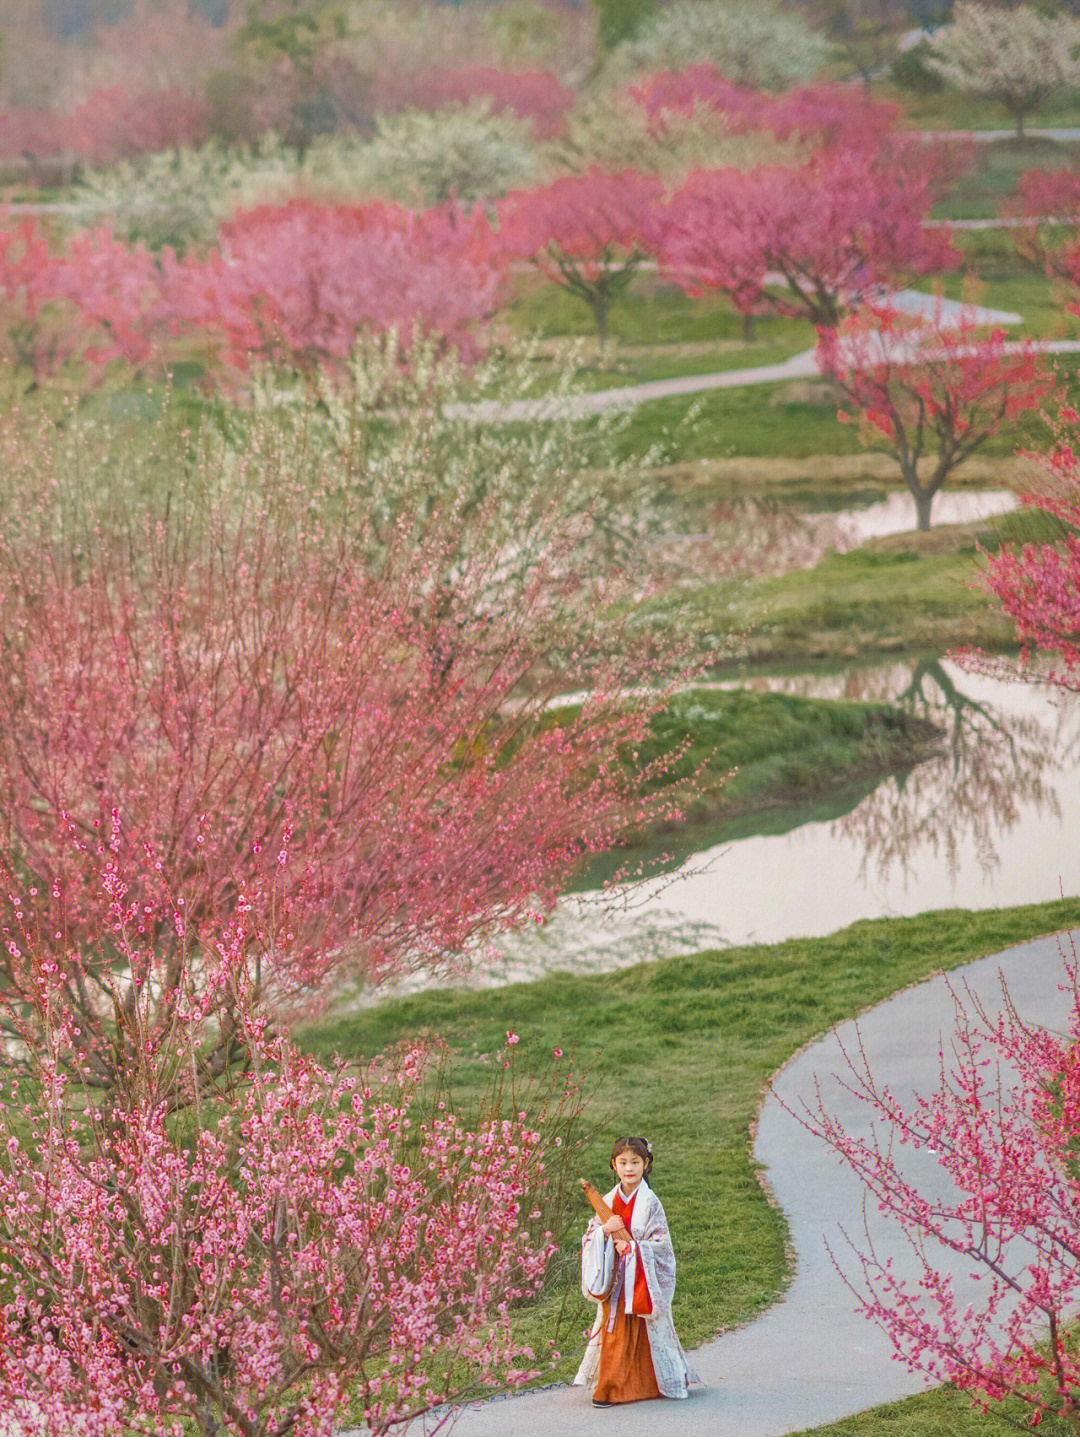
[301,1243]
[302,280]
[109,125]
[1004,1125]
[341,724]
[1038,584]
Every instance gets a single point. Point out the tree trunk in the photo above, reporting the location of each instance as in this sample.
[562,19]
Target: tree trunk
[599,306]
[748,328]
[923,504]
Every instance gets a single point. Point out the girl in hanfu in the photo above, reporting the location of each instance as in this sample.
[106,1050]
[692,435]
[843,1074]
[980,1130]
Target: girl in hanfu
[633,1352]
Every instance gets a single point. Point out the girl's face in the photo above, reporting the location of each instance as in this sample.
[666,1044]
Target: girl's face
[629,1169]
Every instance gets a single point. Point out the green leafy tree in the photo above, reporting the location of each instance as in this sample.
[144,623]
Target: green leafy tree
[620,20]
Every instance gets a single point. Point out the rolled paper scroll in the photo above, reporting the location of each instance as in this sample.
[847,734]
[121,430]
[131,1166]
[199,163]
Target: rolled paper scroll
[601,1209]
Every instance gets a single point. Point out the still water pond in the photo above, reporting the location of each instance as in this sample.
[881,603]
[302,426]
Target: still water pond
[994,820]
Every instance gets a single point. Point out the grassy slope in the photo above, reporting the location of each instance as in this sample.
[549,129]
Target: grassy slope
[785,748]
[764,762]
[684,1046]
[896,595]
[943,1412]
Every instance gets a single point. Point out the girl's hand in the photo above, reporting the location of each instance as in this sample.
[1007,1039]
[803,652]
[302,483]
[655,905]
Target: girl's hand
[621,1247]
[614,1224]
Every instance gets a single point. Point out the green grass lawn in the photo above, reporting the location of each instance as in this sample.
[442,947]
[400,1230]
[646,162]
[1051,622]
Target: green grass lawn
[684,1047]
[994,171]
[949,109]
[898,595]
[944,1412]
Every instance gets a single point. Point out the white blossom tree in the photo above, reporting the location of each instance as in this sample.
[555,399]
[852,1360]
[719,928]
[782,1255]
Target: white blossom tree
[1016,57]
[465,151]
[752,42]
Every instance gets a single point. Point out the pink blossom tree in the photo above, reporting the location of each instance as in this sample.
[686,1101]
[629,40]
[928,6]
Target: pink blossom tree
[296,284]
[1004,1124]
[87,301]
[1043,210]
[934,391]
[345,722]
[1038,584]
[300,282]
[587,233]
[307,1243]
[830,231]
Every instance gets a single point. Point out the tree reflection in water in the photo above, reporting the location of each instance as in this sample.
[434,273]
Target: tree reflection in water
[992,763]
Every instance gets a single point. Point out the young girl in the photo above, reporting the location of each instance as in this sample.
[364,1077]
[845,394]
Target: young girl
[633,1352]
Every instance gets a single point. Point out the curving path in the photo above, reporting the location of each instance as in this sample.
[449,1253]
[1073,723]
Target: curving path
[810,1359]
[798,366]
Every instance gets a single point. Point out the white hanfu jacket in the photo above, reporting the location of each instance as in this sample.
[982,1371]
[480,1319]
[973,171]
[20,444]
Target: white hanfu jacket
[652,1248]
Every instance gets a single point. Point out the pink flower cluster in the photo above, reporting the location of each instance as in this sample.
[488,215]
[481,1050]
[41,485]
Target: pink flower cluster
[109,125]
[1004,1125]
[310,1243]
[827,113]
[298,282]
[829,230]
[1038,584]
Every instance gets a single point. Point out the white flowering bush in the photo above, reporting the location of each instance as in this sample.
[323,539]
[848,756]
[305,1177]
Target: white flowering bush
[179,197]
[1018,58]
[414,157]
[750,41]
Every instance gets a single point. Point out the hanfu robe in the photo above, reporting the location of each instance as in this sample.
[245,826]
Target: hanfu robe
[617,1363]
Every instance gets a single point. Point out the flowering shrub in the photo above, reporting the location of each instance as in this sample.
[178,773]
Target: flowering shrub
[298,283]
[461,152]
[303,1242]
[824,112]
[95,301]
[400,798]
[614,132]
[1004,1125]
[111,125]
[1038,584]
[107,126]
[181,197]
[1017,57]
[301,281]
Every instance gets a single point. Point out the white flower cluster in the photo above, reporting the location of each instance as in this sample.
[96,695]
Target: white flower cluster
[180,197]
[415,157]
[750,41]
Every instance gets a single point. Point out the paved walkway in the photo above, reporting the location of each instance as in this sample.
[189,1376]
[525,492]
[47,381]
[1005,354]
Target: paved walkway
[628,396]
[810,1359]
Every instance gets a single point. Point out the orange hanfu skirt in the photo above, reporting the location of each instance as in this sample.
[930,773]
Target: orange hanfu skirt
[626,1372]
